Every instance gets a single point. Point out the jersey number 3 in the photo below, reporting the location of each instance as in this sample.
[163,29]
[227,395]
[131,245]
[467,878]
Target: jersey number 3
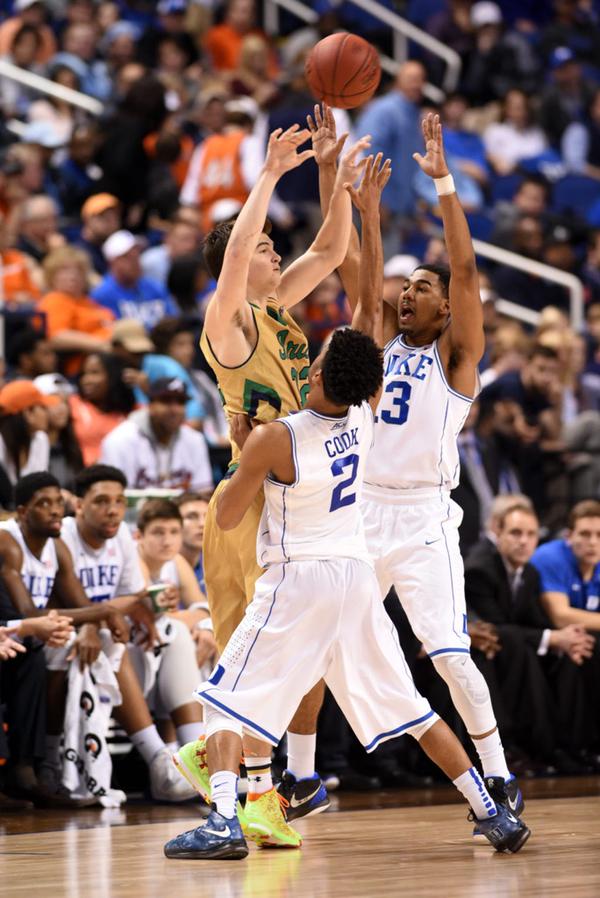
[338,468]
[400,401]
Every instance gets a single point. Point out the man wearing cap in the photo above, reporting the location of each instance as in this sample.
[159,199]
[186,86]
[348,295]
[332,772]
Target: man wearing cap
[23,410]
[567,97]
[181,239]
[154,448]
[101,217]
[124,290]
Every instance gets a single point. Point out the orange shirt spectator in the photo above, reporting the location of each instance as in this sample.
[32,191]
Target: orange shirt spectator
[224,42]
[103,401]
[75,323]
[31,13]
[18,286]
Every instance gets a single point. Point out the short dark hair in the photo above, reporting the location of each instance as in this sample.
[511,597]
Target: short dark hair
[157,510]
[168,327]
[23,343]
[26,487]
[352,368]
[94,474]
[442,271]
[215,244]
[184,498]
[538,180]
[545,352]
[589,508]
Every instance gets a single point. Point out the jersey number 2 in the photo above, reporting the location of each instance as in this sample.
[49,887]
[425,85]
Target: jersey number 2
[401,401]
[337,468]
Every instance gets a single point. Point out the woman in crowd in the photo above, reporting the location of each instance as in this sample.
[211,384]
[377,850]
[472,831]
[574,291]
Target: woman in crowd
[66,459]
[516,137]
[24,444]
[103,401]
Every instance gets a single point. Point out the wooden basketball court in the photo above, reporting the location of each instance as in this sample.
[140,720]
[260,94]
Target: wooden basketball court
[377,844]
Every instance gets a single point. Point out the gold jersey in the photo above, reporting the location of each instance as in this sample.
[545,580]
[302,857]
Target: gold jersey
[273,381]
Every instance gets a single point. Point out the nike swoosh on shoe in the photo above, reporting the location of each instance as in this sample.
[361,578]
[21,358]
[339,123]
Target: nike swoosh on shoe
[295,803]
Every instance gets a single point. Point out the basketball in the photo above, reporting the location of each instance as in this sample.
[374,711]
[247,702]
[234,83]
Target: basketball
[343,70]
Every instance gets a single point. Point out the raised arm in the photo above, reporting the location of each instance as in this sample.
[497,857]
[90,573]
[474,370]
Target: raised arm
[229,298]
[462,343]
[329,247]
[267,447]
[328,146]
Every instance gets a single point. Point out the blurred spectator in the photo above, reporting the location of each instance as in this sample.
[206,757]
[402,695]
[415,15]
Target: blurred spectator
[324,310]
[252,78]
[124,290]
[464,147]
[590,273]
[38,231]
[501,59]
[515,137]
[155,448]
[531,199]
[574,25]
[75,322]
[57,115]
[566,98]
[29,12]
[29,354]
[23,50]
[452,26]
[24,445]
[508,352]
[170,26]
[78,175]
[580,145]
[101,217]
[189,283]
[181,239]
[103,401]
[66,460]
[393,121]
[118,46]
[532,388]
[79,44]
[223,42]
[17,273]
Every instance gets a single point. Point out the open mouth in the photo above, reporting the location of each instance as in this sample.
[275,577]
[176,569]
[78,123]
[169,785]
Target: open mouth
[407,314]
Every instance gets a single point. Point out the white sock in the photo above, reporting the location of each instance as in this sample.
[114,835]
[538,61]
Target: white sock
[147,742]
[301,754]
[259,775]
[471,786]
[223,792]
[491,755]
[52,750]
[189,732]
[172,746]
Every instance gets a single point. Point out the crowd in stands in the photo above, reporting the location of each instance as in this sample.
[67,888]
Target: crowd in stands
[103,287]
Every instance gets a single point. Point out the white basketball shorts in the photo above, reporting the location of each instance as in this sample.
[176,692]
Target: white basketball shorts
[313,620]
[412,536]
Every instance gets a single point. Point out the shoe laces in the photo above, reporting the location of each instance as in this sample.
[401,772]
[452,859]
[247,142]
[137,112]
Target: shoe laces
[283,803]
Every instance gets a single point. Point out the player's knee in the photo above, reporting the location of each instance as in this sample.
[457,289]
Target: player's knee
[460,671]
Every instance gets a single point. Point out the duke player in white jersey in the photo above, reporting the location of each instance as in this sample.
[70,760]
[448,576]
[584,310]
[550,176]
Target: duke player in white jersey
[106,561]
[316,611]
[433,343]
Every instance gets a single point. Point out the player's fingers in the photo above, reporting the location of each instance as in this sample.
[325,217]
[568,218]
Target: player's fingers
[275,134]
[299,137]
[306,154]
[329,117]
[352,191]
[311,125]
[318,115]
[290,131]
[368,169]
[418,158]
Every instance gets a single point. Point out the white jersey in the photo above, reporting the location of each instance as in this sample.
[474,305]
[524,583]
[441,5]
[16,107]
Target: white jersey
[318,515]
[113,570]
[38,574]
[417,423]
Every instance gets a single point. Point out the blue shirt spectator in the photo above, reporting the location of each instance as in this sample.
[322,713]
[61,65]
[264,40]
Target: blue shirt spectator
[393,121]
[157,366]
[124,290]
[559,572]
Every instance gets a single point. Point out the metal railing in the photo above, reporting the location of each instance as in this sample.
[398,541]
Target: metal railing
[548,272]
[50,88]
[403,31]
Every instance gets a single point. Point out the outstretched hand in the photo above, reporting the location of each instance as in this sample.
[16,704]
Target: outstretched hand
[351,165]
[282,147]
[367,196]
[433,163]
[325,142]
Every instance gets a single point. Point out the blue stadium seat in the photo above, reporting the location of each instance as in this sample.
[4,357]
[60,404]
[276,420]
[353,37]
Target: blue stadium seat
[576,193]
[504,187]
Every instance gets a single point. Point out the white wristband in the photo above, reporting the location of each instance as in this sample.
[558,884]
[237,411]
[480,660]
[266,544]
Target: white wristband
[205,624]
[444,186]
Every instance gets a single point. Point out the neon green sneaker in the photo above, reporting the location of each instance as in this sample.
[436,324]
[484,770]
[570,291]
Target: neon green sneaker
[192,763]
[265,822]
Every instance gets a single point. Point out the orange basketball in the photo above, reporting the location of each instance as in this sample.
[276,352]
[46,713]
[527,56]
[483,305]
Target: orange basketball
[343,70]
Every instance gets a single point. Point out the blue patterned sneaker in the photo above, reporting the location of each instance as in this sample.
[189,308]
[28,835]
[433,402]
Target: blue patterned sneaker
[219,839]
[506,793]
[504,831]
[305,796]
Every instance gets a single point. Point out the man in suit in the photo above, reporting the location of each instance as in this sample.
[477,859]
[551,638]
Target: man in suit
[503,589]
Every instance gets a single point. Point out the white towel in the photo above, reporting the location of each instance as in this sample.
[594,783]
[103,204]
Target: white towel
[92,693]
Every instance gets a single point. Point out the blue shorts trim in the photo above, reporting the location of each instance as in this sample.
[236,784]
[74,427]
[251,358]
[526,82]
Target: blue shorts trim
[274,740]
[457,651]
[405,726]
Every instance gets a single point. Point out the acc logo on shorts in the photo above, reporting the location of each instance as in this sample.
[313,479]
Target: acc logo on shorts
[92,744]
[87,704]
